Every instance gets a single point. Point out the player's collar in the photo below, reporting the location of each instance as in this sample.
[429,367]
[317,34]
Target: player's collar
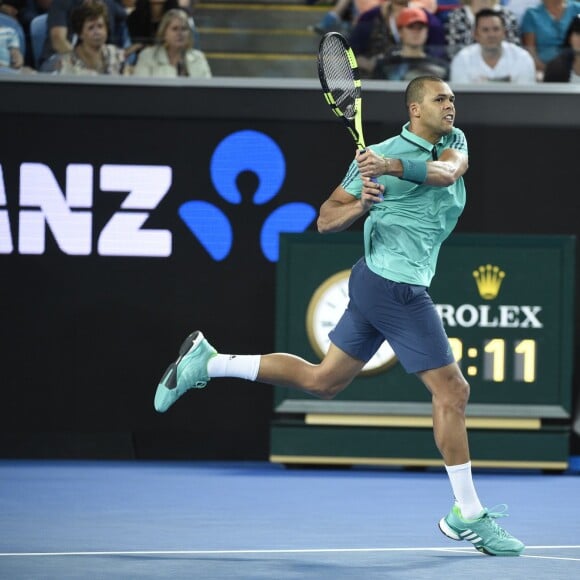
[416,140]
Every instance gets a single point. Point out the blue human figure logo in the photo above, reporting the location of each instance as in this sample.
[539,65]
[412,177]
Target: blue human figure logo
[240,152]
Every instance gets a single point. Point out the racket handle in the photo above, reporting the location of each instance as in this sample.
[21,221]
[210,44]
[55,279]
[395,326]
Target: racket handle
[375,180]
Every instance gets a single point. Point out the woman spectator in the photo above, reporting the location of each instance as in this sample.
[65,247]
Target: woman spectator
[91,55]
[544,29]
[460,23]
[143,22]
[173,55]
[565,68]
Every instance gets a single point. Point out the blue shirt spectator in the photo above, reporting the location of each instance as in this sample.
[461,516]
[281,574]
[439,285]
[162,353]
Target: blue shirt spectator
[544,29]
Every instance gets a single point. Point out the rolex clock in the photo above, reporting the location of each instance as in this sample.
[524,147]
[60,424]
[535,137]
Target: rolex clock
[325,308]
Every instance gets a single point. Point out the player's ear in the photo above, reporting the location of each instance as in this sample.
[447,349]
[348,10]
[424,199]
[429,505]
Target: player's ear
[414,110]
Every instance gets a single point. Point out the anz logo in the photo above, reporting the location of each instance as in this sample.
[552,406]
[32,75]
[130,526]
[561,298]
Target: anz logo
[237,153]
[68,214]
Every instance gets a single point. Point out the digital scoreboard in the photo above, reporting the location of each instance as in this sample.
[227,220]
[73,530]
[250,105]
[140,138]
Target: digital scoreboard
[507,306]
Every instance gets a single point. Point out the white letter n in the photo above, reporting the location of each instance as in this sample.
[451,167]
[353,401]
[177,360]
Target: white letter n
[72,230]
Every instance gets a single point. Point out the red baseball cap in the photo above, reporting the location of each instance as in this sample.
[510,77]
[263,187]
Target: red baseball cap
[409,16]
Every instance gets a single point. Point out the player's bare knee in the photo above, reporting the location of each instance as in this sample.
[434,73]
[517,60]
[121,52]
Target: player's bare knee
[458,392]
[451,392]
[326,389]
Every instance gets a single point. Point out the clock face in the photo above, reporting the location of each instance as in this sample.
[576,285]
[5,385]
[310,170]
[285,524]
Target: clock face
[324,311]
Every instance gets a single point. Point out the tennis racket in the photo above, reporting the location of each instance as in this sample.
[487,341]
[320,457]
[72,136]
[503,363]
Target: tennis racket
[341,84]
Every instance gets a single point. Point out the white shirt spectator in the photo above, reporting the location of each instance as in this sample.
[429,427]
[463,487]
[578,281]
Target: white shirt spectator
[515,66]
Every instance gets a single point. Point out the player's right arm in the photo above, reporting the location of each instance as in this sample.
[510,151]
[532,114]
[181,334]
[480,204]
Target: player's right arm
[342,209]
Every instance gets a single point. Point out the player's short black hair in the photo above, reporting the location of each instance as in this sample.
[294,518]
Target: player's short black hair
[415,91]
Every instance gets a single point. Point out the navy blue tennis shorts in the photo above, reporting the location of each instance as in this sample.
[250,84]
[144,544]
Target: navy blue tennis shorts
[404,314]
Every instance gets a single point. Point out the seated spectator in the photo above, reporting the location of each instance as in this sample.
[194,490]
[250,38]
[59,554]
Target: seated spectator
[565,68]
[345,13]
[376,32]
[144,20]
[173,55]
[491,58]
[11,59]
[60,34]
[460,22]
[91,55]
[544,29]
[410,60]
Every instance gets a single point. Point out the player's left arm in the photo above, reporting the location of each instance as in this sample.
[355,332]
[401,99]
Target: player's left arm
[446,170]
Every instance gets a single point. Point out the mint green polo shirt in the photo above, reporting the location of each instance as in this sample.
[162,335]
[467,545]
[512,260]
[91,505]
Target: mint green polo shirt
[403,234]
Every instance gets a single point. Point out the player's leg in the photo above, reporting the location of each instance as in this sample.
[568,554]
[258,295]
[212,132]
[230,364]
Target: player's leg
[324,380]
[354,341]
[198,362]
[417,336]
[450,393]
[468,519]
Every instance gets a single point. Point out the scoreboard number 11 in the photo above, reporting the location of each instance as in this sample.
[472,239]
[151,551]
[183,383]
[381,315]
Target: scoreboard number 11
[494,359]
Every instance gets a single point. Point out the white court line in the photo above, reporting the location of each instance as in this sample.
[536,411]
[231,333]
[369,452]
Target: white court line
[276,551]
[550,558]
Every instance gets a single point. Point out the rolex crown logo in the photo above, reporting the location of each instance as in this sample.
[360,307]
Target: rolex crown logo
[488,279]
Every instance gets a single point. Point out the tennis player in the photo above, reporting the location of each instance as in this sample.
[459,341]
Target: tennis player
[420,173]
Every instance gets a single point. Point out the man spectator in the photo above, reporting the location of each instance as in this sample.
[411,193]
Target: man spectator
[491,57]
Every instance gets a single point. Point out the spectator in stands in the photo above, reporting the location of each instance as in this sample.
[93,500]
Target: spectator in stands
[410,60]
[565,68]
[12,40]
[345,13]
[60,34]
[460,22]
[11,59]
[544,29]
[144,20]
[376,32]
[173,55]
[491,58]
[91,54]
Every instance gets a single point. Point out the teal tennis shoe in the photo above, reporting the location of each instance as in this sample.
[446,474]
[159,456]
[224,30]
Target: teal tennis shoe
[483,532]
[189,371]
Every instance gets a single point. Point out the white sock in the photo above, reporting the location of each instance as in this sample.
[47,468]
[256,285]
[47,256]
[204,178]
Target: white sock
[242,366]
[464,490]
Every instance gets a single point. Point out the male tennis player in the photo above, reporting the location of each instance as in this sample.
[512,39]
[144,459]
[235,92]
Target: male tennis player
[420,172]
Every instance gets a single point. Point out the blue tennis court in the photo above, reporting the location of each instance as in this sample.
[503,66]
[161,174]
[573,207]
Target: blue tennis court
[74,519]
